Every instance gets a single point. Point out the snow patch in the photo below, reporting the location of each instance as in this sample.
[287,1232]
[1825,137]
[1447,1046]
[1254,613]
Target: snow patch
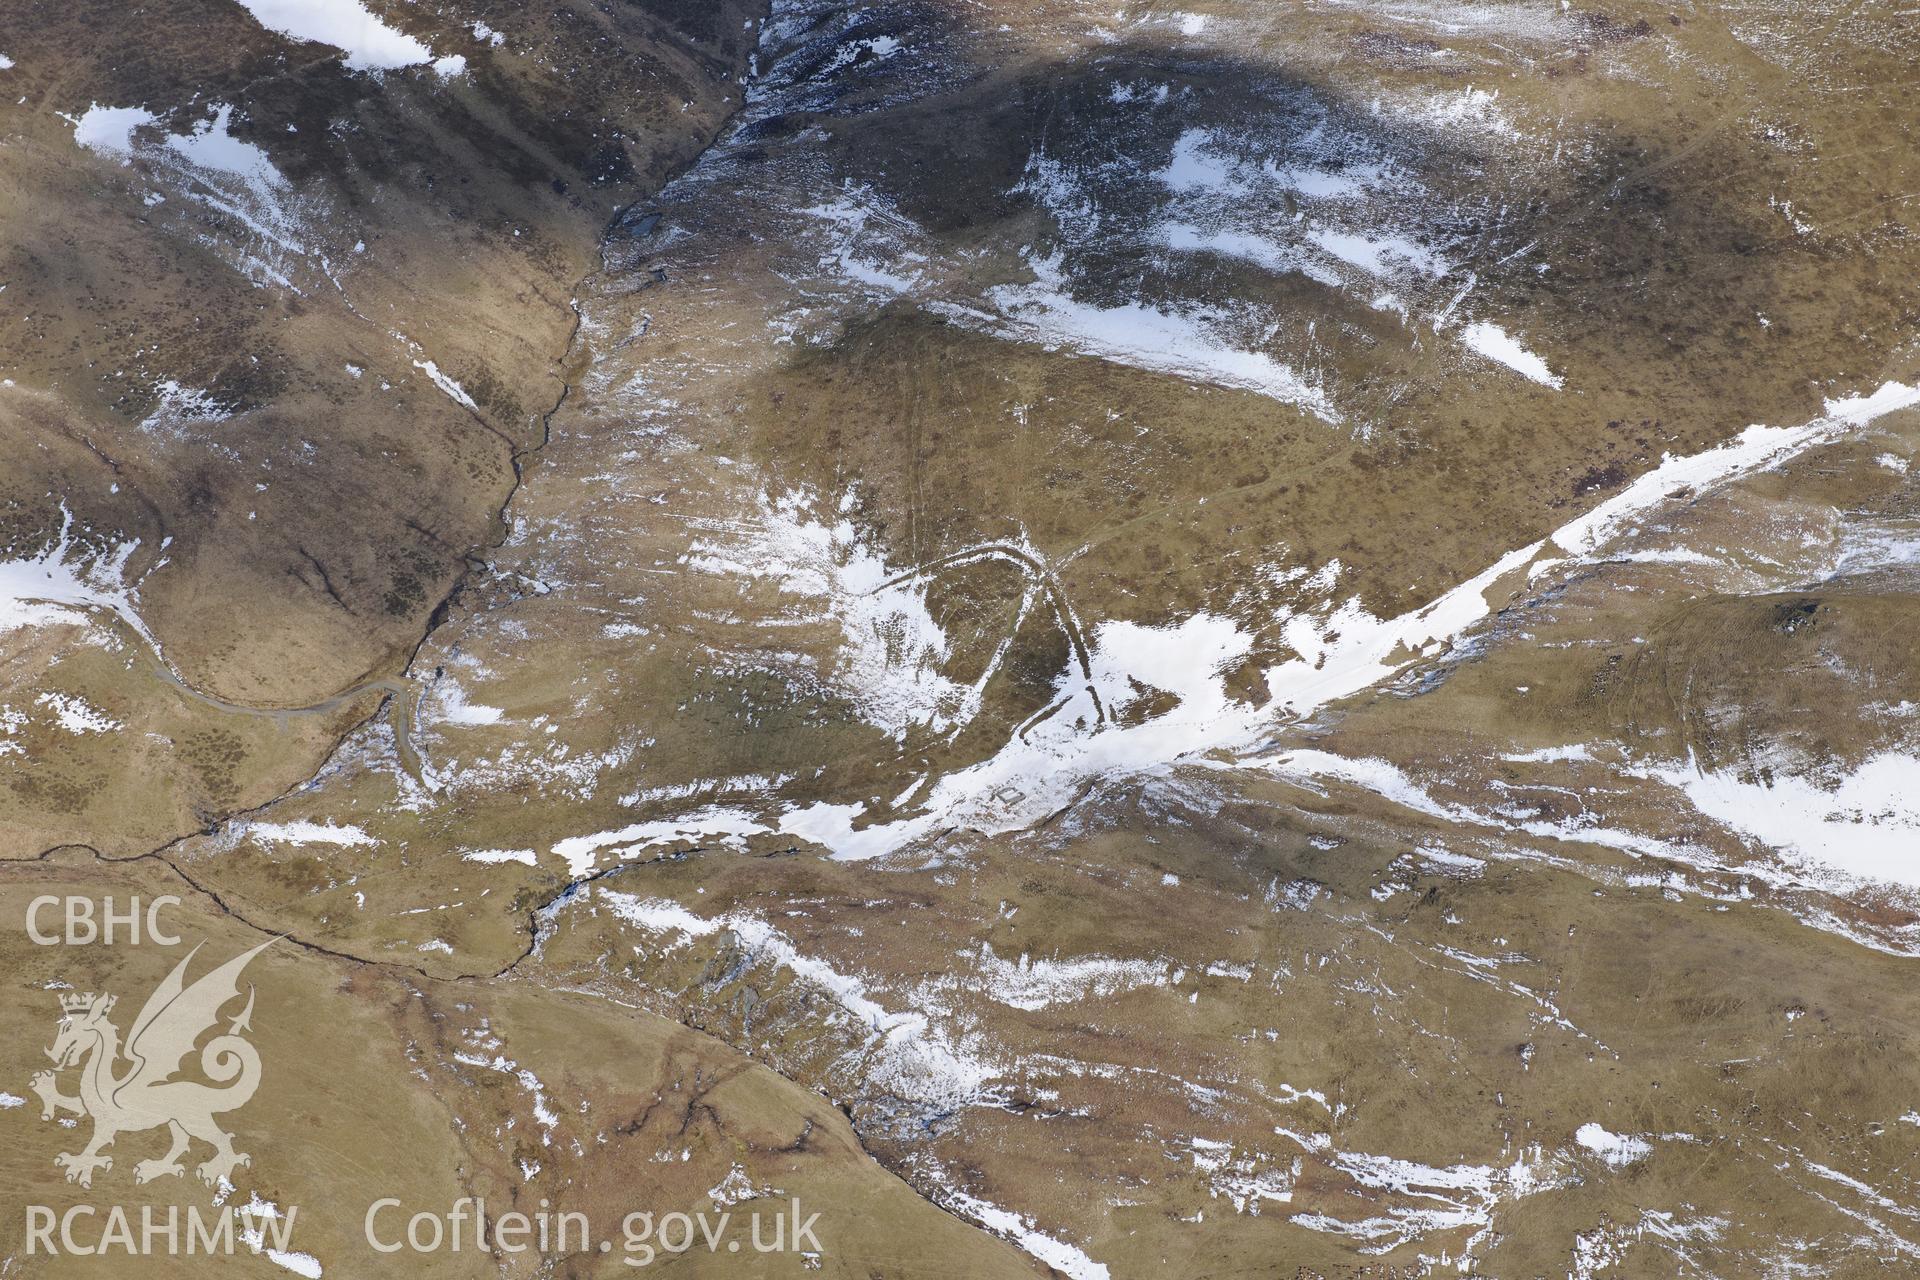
[1050,1250]
[304,832]
[450,706]
[61,582]
[1421,1199]
[211,147]
[1192,344]
[1497,345]
[252,1234]
[892,650]
[453,390]
[224,173]
[904,1052]
[494,857]
[109,130]
[1618,1150]
[76,715]
[582,852]
[370,44]
[178,407]
[1551,755]
[1867,826]
[1036,984]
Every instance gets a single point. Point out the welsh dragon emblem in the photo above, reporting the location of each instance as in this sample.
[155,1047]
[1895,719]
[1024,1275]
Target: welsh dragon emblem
[144,1094]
